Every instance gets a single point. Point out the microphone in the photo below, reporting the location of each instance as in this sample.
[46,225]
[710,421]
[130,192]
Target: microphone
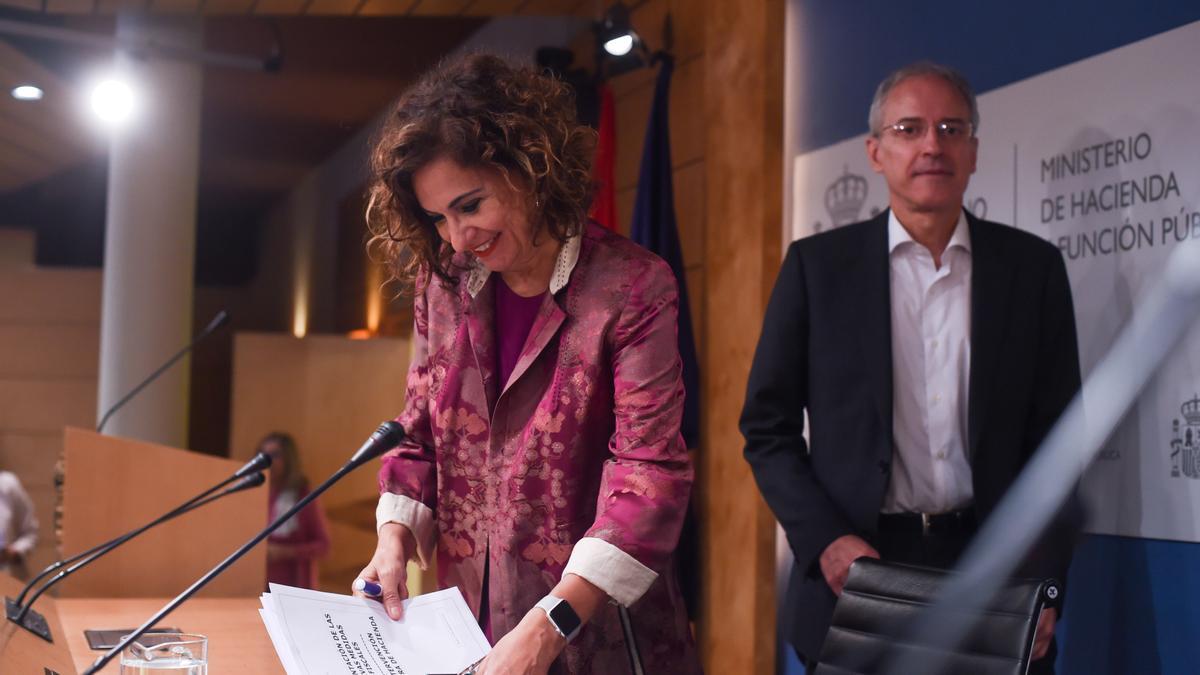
[18,611]
[387,436]
[219,320]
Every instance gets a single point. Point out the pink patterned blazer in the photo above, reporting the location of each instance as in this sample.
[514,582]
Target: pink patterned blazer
[574,465]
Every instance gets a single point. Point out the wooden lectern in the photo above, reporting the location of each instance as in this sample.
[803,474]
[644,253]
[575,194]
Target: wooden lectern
[112,485]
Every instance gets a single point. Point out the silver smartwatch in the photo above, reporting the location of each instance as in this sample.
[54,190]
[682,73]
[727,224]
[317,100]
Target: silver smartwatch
[561,615]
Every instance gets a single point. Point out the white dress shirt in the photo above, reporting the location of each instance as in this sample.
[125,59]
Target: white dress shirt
[931,365]
[18,524]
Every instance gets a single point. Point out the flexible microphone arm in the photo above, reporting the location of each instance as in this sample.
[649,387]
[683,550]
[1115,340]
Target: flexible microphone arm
[387,436]
[257,464]
[248,476]
[219,320]
[251,481]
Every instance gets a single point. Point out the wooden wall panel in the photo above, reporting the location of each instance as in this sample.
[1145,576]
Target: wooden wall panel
[36,350]
[648,19]
[688,182]
[626,198]
[332,7]
[68,6]
[440,7]
[51,296]
[387,7]
[556,7]
[330,393]
[688,25]
[492,7]
[279,6]
[633,112]
[49,354]
[626,83]
[113,6]
[227,7]
[28,404]
[686,110]
[743,71]
[174,6]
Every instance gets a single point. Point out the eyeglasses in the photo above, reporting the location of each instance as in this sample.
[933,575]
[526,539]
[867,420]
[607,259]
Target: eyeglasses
[947,130]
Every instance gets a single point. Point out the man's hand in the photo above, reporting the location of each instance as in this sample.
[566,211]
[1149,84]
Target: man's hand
[1045,632]
[835,561]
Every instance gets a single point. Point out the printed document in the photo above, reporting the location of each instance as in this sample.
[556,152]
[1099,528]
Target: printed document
[318,633]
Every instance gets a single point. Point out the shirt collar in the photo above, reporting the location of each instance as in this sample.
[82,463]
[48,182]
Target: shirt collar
[897,235]
[564,264]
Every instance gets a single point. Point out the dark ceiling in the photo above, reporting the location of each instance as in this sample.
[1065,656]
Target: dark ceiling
[260,132]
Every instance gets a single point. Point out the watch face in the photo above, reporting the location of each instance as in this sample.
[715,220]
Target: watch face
[565,618]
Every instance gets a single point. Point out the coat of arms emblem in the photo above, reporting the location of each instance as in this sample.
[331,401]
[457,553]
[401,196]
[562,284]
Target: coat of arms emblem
[1185,443]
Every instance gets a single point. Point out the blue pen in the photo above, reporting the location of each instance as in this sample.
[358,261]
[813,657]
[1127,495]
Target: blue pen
[368,588]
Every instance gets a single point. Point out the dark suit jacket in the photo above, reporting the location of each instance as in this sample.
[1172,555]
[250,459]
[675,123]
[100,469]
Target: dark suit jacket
[826,349]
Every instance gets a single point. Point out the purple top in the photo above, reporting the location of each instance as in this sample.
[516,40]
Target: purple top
[514,318]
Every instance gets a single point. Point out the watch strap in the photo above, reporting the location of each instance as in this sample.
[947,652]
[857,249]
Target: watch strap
[561,615]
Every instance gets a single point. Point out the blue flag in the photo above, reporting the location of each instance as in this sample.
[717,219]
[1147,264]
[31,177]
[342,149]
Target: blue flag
[654,228]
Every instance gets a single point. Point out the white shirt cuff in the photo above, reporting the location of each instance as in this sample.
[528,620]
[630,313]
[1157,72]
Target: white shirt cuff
[414,515]
[610,569]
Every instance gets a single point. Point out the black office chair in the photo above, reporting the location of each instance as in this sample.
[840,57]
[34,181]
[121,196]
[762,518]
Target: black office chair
[878,607]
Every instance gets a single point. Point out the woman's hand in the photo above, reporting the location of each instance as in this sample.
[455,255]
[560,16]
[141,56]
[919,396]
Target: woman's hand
[389,567]
[528,649]
[532,646]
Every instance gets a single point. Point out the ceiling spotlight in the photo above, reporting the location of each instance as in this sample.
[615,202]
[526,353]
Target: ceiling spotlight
[616,32]
[27,92]
[619,49]
[113,102]
[620,45]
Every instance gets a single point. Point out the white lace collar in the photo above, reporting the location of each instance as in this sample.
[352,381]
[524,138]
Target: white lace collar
[568,255]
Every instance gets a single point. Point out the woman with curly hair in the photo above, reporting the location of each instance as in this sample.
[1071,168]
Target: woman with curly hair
[543,459]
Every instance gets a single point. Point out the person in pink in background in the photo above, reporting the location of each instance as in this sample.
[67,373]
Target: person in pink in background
[543,461]
[294,548]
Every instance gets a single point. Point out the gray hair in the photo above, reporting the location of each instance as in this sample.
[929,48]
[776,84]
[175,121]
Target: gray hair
[921,69]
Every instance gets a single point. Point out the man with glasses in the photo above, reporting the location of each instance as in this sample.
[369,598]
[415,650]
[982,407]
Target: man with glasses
[932,352]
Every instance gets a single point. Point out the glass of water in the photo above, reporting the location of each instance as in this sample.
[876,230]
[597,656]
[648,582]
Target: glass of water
[166,654]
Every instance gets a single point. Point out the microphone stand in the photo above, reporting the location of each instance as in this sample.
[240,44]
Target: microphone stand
[385,438]
[219,320]
[631,648]
[21,612]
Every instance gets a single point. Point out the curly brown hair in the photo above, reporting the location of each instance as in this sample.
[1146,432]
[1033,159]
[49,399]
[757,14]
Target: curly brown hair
[484,112]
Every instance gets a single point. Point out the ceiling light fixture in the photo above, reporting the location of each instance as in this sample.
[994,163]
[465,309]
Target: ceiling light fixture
[620,45]
[27,92]
[616,32]
[619,48]
[113,101]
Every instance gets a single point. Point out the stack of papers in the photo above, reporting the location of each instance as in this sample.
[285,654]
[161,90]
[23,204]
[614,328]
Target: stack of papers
[318,633]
